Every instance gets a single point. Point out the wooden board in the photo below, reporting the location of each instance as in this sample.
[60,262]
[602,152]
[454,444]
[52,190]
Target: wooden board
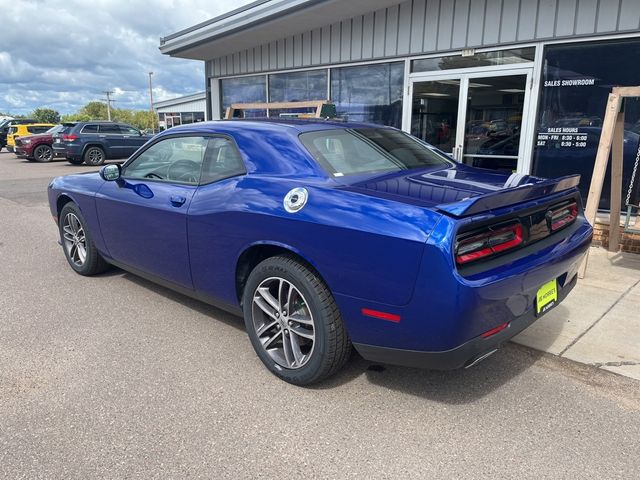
[317,104]
[616,182]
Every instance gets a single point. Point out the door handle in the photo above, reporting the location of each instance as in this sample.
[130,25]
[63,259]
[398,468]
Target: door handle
[177,200]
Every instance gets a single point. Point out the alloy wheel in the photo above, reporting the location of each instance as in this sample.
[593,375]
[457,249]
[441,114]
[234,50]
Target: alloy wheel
[283,322]
[43,154]
[95,156]
[75,241]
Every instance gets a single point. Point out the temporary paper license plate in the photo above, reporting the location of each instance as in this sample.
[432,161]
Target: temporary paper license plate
[547,297]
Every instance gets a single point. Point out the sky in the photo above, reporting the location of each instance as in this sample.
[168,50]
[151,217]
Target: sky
[62,54]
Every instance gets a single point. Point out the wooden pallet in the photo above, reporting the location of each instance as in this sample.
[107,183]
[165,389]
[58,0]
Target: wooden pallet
[611,141]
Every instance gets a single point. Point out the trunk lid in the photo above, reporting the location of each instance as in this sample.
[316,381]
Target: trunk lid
[462,191]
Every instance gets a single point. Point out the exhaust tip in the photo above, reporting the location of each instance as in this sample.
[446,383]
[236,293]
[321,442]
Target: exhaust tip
[479,358]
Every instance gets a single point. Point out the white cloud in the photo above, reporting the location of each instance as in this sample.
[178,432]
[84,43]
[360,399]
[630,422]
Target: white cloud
[63,53]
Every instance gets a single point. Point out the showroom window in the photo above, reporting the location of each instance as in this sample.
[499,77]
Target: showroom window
[297,87]
[244,90]
[573,96]
[369,93]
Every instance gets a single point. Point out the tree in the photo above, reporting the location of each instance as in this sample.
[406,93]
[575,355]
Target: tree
[46,115]
[94,110]
[141,119]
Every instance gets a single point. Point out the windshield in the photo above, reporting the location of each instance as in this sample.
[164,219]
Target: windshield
[369,150]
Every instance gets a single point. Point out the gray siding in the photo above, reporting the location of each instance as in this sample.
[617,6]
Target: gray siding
[429,26]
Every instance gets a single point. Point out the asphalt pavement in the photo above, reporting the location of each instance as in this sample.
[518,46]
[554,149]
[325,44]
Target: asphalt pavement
[115,377]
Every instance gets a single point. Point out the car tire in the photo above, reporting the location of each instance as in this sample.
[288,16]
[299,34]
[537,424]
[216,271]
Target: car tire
[309,343]
[94,156]
[75,161]
[43,153]
[77,244]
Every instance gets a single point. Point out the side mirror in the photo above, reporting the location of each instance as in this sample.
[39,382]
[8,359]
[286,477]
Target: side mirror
[110,172]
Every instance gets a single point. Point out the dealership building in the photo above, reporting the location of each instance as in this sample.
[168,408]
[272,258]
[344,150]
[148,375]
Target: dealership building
[181,110]
[517,85]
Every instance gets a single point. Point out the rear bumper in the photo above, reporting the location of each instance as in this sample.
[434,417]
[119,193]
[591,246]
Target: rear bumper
[464,355]
[67,150]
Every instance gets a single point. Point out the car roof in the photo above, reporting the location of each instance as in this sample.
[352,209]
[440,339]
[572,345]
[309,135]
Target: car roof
[262,125]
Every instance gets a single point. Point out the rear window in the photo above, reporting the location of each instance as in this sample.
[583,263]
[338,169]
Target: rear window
[369,150]
[56,129]
[13,130]
[66,128]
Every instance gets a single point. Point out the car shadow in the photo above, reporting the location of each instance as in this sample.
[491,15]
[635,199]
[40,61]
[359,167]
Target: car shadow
[210,311]
[452,387]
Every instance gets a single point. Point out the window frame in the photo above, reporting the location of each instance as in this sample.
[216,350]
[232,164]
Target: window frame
[182,135]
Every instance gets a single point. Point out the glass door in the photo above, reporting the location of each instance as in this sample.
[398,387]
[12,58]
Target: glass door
[477,118]
[435,113]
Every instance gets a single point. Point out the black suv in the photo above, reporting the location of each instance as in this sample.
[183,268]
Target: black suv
[96,141]
[6,124]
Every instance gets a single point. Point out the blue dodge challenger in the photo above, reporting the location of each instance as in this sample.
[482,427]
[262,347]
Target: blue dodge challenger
[327,235]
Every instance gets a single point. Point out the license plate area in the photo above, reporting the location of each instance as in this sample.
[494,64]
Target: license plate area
[546,297]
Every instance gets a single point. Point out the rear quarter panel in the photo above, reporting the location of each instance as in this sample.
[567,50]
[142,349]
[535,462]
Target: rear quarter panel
[363,247]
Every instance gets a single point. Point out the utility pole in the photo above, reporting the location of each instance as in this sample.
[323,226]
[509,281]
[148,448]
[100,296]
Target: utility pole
[108,93]
[153,123]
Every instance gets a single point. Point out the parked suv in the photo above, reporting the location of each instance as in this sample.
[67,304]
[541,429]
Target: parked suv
[37,147]
[94,142]
[6,124]
[25,130]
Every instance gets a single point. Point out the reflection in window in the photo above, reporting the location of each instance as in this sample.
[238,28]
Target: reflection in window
[573,97]
[244,90]
[298,86]
[369,93]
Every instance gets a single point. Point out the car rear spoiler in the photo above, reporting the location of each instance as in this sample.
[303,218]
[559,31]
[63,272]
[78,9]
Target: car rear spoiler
[509,196]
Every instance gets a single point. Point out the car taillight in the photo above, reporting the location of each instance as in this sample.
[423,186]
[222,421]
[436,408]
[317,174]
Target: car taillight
[558,218]
[488,242]
[69,138]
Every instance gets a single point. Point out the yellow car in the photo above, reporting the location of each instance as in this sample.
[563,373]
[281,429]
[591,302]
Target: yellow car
[24,130]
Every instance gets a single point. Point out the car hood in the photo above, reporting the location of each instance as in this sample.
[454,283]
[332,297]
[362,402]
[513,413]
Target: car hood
[460,190]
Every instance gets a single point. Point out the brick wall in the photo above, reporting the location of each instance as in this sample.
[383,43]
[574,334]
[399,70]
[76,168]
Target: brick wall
[629,242]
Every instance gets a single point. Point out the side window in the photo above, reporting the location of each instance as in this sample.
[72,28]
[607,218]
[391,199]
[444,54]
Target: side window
[35,130]
[127,130]
[177,159]
[222,160]
[109,129]
[90,128]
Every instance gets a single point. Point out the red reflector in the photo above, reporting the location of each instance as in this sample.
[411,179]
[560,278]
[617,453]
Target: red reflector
[392,317]
[495,330]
